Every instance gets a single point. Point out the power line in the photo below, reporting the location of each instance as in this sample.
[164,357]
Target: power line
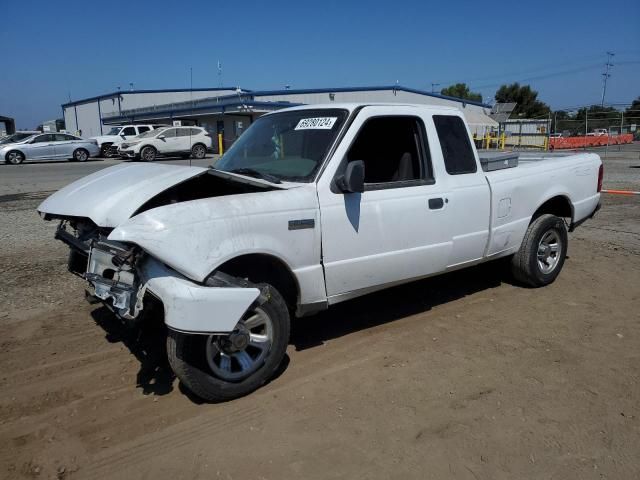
[606,75]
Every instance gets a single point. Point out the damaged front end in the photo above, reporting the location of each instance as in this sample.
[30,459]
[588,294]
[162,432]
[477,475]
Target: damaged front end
[126,279]
[111,268]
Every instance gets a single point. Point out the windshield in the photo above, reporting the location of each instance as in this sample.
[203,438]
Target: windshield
[16,137]
[288,145]
[151,133]
[114,131]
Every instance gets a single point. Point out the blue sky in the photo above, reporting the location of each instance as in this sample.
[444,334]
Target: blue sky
[51,50]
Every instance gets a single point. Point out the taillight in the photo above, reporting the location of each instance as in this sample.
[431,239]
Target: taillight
[600,175]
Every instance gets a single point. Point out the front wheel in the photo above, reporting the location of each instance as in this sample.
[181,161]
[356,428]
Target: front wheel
[14,157]
[542,253]
[105,150]
[223,367]
[148,154]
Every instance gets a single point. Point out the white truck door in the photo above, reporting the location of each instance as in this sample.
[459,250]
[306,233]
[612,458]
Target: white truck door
[469,193]
[396,229]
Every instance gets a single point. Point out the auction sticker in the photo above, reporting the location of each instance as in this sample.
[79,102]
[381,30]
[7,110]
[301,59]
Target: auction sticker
[317,123]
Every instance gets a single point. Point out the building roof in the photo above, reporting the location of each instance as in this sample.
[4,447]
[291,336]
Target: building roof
[261,93]
[131,92]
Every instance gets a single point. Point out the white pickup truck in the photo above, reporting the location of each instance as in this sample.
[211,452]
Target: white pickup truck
[311,206]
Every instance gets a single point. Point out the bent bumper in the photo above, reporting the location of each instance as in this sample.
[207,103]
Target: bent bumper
[193,308]
[575,225]
[188,306]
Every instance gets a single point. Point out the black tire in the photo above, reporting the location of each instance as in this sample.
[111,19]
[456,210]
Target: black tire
[14,157]
[198,151]
[80,155]
[534,264]
[148,154]
[104,150]
[187,356]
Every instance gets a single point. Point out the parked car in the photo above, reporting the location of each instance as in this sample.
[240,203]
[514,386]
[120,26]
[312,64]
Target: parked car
[18,136]
[308,209]
[49,146]
[167,141]
[109,143]
[600,132]
[555,135]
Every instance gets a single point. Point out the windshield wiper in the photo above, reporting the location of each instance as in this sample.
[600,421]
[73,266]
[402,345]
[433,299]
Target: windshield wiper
[255,173]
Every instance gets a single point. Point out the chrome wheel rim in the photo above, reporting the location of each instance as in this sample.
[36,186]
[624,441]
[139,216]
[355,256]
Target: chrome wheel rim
[236,356]
[15,158]
[549,250]
[81,155]
[198,152]
[147,154]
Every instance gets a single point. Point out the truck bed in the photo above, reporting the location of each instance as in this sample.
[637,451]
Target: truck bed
[538,178]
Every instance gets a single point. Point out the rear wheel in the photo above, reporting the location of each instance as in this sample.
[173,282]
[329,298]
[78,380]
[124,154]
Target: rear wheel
[542,253]
[80,155]
[14,157]
[223,367]
[198,151]
[148,154]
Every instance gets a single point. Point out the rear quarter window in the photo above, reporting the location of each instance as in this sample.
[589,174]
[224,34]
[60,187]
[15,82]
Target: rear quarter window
[455,144]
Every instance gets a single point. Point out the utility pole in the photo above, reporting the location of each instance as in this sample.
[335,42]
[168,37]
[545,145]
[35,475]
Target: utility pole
[606,75]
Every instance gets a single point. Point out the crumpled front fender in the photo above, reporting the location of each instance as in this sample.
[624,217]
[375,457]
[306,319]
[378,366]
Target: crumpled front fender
[193,308]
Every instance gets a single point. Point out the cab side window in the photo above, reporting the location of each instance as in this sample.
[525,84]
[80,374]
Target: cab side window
[456,146]
[128,131]
[393,151]
[143,129]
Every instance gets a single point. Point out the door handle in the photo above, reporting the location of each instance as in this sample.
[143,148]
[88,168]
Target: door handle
[436,203]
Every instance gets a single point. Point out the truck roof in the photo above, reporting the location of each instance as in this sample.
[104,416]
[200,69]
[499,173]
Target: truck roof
[354,105]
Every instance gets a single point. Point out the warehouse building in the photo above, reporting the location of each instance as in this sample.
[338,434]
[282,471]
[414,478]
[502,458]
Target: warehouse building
[230,111]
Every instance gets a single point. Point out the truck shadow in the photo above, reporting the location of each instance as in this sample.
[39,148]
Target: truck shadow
[148,343]
[394,303]
[147,340]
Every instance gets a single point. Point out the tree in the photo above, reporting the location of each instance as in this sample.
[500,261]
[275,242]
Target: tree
[526,100]
[634,109]
[461,90]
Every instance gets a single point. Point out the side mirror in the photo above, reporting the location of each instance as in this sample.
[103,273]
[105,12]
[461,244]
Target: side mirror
[352,181]
[161,137]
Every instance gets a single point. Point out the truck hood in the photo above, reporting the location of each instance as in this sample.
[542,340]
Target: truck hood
[112,195]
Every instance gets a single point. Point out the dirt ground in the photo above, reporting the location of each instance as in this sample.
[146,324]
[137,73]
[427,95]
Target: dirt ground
[463,376]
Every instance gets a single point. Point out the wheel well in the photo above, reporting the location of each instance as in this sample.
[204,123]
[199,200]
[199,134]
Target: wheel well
[265,268]
[199,143]
[560,206]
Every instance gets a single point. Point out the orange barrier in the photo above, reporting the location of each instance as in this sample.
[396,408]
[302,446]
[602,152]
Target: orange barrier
[621,192]
[589,141]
